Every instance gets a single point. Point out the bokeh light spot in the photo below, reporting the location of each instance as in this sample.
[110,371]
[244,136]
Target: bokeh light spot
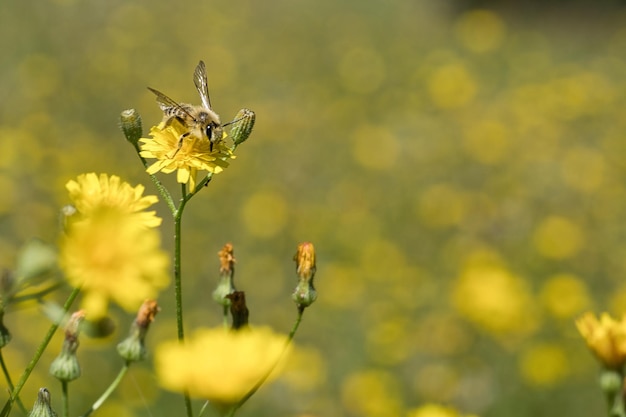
[374,147]
[487,141]
[265,214]
[480,30]
[544,365]
[451,86]
[495,300]
[372,394]
[565,296]
[441,205]
[558,238]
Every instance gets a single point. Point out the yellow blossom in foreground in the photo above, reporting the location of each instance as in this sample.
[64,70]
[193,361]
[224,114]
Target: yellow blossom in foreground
[186,156]
[90,193]
[109,252]
[219,365]
[605,337]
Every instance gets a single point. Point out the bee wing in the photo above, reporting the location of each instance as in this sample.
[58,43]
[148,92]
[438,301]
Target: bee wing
[166,103]
[202,85]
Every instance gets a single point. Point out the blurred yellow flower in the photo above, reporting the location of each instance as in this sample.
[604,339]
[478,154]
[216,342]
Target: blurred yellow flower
[434,410]
[187,157]
[451,86]
[605,337]
[90,193]
[565,295]
[107,249]
[219,365]
[557,237]
[372,393]
[544,364]
[495,300]
[481,30]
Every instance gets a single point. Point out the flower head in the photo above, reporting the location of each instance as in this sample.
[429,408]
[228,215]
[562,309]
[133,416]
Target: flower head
[108,249]
[65,367]
[90,193]
[218,365]
[133,347]
[605,337]
[305,294]
[177,149]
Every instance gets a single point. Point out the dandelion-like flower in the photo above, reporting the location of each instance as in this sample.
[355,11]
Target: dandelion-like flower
[177,149]
[108,250]
[91,192]
[605,337]
[219,365]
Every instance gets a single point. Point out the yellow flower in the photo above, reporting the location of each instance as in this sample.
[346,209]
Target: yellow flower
[219,365]
[187,157]
[90,193]
[606,338]
[108,249]
[434,410]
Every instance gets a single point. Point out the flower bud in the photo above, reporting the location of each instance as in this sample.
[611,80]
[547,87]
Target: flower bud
[610,382]
[238,310]
[130,121]
[305,294]
[42,407]
[226,283]
[242,126]
[133,347]
[65,367]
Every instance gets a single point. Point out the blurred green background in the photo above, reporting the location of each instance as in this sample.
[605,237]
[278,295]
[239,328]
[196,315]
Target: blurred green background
[458,166]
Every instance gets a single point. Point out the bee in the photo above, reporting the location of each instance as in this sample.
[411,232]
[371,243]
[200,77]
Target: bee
[201,121]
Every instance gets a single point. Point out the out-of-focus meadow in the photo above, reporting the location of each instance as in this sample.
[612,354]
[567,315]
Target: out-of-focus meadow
[460,171]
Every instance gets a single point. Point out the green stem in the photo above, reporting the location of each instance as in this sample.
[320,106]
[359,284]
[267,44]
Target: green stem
[225,317]
[106,394]
[36,295]
[258,385]
[66,399]
[7,376]
[178,287]
[40,349]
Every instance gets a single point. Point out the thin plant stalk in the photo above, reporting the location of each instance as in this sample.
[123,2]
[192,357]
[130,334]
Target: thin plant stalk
[7,377]
[105,395]
[40,350]
[66,399]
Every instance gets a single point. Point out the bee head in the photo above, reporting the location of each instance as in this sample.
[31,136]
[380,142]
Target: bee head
[213,131]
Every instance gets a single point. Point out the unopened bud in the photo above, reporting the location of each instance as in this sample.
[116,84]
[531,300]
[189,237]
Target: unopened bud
[238,310]
[242,126]
[130,121]
[65,367]
[226,283]
[42,407]
[305,294]
[133,348]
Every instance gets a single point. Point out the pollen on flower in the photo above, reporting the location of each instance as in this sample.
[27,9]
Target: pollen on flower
[176,149]
[218,365]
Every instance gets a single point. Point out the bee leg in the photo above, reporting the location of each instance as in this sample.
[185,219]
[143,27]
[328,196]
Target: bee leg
[180,143]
